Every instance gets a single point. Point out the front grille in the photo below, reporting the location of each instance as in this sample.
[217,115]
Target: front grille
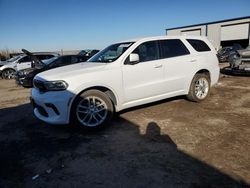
[39,85]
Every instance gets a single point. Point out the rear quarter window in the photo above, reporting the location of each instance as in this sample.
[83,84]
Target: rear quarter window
[199,45]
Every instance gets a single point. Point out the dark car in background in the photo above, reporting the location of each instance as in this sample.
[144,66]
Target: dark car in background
[224,53]
[25,77]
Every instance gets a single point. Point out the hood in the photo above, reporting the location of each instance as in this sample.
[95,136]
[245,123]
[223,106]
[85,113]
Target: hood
[8,65]
[65,72]
[5,62]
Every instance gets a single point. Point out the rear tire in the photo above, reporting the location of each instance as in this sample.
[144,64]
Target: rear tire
[199,88]
[92,109]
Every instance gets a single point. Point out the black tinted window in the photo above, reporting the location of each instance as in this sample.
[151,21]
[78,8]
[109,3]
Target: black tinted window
[173,48]
[66,60]
[199,45]
[74,59]
[42,57]
[147,51]
[25,59]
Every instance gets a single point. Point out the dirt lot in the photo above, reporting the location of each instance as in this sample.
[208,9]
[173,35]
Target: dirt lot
[172,143]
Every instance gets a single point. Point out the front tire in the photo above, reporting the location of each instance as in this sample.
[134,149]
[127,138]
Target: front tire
[199,88]
[92,109]
[8,74]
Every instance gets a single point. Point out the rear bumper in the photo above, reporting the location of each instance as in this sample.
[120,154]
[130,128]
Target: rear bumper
[215,74]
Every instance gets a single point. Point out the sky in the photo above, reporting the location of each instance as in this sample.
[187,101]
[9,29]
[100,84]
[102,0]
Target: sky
[51,25]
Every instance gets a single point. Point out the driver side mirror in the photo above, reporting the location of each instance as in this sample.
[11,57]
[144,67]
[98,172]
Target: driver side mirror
[133,59]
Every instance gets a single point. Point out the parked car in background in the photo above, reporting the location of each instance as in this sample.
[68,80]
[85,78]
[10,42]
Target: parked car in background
[224,53]
[9,60]
[239,63]
[123,75]
[25,77]
[88,53]
[20,62]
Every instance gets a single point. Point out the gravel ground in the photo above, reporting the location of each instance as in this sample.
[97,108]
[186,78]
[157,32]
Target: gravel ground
[172,143]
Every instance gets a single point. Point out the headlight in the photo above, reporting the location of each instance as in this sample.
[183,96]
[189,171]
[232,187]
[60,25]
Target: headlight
[55,85]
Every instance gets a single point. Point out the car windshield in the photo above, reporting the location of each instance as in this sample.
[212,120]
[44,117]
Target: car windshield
[111,53]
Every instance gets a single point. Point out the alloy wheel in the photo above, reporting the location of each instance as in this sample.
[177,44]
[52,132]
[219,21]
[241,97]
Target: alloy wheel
[91,111]
[201,88]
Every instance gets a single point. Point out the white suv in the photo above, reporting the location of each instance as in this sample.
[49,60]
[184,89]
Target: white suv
[124,75]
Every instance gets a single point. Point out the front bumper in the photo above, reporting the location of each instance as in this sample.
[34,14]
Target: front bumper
[24,81]
[52,107]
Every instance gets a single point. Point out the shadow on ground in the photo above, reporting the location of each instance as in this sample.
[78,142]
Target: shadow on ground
[118,156]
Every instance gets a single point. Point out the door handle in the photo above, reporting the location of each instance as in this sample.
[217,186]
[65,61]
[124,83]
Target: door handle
[158,66]
[193,60]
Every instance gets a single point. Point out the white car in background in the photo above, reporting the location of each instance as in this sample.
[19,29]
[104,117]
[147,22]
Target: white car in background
[123,75]
[8,68]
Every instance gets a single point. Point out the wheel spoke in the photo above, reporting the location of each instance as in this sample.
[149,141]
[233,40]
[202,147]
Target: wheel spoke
[201,88]
[91,111]
[85,117]
[83,111]
[99,115]
[81,106]
[90,118]
[100,110]
[95,118]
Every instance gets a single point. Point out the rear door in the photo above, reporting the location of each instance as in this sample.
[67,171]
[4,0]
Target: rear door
[178,62]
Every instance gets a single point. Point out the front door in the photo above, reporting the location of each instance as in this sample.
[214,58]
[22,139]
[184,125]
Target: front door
[24,63]
[144,79]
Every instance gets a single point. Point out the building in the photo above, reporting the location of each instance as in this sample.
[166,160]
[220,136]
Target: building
[220,33]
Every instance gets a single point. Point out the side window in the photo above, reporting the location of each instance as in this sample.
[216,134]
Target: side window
[25,59]
[66,60]
[74,60]
[42,57]
[199,45]
[56,63]
[49,56]
[147,51]
[173,48]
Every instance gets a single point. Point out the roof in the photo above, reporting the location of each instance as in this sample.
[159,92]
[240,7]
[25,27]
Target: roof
[164,37]
[207,23]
